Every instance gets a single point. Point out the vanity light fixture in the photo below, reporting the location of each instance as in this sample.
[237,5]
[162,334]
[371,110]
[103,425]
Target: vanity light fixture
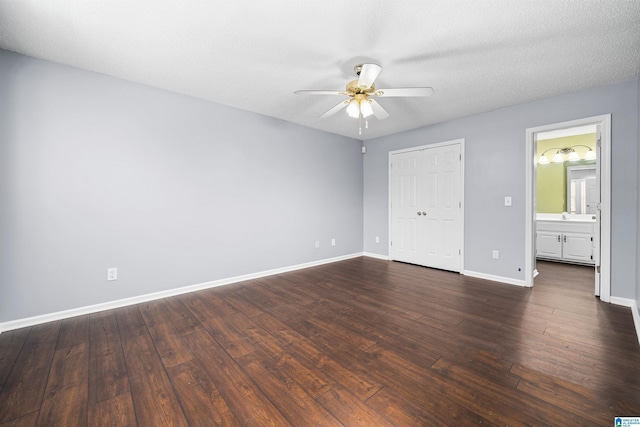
[561,152]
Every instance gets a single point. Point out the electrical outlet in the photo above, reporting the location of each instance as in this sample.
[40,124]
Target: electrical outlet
[317,244]
[112,273]
[507,201]
[496,254]
[333,242]
[377,239]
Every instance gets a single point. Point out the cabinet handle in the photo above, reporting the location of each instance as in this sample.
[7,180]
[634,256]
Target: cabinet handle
[558,238]
[565,239]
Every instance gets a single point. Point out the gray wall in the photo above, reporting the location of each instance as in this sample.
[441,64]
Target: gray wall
[494,168]
[96,172]
[638,217]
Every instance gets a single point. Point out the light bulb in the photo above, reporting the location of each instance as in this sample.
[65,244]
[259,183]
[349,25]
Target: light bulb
[543,160]
[557,158]
[353,109]
[365,108]
[573,156]
[591,155]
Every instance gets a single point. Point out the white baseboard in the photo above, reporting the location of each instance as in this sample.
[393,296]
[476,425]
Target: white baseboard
[501,279]
[635,310]
[59,315]
[628,302]
[378,256]
[625,302]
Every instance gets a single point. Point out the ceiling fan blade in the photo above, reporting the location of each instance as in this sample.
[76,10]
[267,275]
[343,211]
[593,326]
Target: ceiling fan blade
[368,74]
[320,92]
[405,91]
[378,111]
[335,109]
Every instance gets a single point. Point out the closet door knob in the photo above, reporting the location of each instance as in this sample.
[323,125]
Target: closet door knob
[419,213]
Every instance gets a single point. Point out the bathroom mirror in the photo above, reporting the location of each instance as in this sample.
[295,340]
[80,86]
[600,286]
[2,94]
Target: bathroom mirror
[566,185]
[581,189]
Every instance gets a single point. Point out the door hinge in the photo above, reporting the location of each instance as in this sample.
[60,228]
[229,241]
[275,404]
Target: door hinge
[598,269]
[459,204]
[591,256]
[460,156]
[459,251]
[391,243]
[592,239]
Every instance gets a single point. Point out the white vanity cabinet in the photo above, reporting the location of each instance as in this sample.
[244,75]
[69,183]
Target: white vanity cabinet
[565,240]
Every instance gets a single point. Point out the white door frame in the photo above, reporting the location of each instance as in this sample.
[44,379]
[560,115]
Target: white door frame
[390,188]
[605,198]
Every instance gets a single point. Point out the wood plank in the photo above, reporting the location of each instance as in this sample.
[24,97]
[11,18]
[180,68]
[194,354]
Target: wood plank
[11,343]
[401,412]
[349,410]
[130,322]
[245,399]
[572,398]
[184,321]
[23,390]
[153,398]
[306,352]
[107,367]
[166,338]
[70,367]
[492,398]
[169,344]
[73,331]
[115,412]
[67,407]
[28,420]
[259,338]
[311,378]
[287,395]
[202,402]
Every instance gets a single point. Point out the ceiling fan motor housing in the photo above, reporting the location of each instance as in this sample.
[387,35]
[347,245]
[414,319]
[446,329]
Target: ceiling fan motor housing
[354,89]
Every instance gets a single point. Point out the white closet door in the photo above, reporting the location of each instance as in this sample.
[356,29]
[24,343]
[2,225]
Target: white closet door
[426,207]
[405,183]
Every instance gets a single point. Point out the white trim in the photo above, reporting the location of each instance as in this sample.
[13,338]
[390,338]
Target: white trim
[378,256]
[459,141]
[635,310]
[59,315]
[625,302]
[605,198]
[500,279]
[628,302]
[563,133]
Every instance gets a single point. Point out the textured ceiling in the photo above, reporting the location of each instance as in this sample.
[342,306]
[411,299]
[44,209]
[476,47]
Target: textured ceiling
[478,55]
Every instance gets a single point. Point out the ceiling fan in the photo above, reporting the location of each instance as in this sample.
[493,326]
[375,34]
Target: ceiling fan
[360,103]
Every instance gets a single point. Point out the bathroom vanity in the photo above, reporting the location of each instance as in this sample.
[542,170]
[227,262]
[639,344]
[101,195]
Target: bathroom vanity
[565,237]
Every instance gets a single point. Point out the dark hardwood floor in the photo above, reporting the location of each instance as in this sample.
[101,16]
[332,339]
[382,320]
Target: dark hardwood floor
[362,342]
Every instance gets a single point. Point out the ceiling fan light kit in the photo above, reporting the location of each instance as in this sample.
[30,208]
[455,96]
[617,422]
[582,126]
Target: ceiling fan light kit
[360,104]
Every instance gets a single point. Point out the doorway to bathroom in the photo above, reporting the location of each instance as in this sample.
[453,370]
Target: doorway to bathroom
[568,197]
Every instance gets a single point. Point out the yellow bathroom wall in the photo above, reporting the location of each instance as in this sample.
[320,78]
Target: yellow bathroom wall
[551,179]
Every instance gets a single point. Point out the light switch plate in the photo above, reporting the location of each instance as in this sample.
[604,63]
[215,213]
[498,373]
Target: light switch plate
[507,201]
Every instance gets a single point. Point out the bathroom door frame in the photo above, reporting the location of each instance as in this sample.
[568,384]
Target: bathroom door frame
[604,160]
